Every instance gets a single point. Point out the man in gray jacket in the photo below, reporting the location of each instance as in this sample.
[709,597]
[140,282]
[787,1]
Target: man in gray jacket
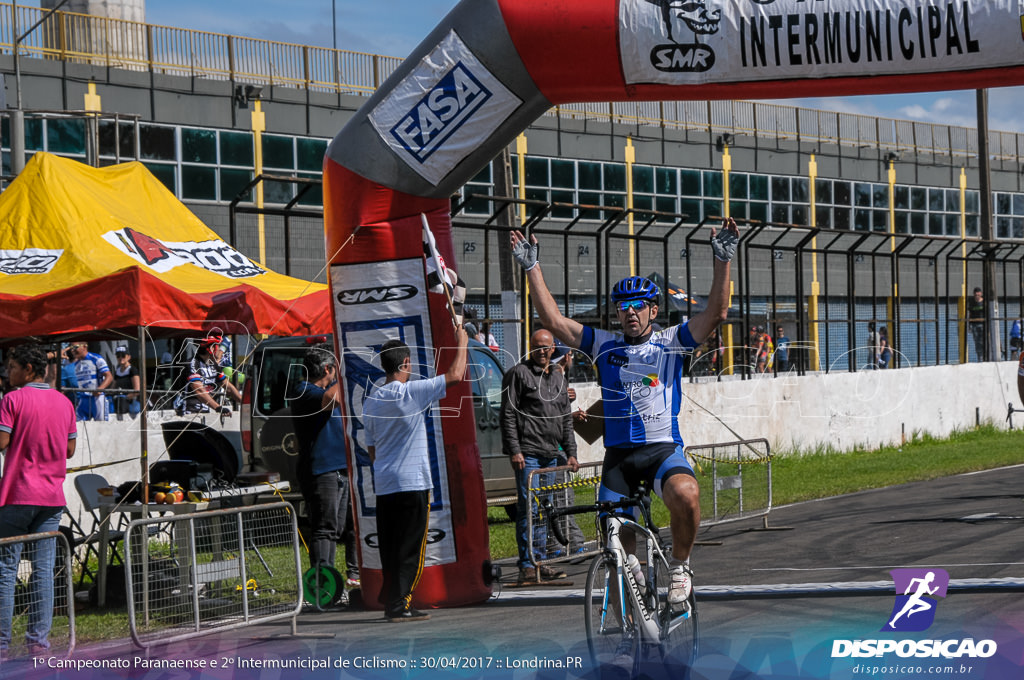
[535,420]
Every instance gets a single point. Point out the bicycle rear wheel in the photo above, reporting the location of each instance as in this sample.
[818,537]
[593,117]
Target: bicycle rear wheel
[680,639]
[611,636]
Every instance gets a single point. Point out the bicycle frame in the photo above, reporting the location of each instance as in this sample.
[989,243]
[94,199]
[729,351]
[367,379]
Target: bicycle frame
[650,620]
[644,600]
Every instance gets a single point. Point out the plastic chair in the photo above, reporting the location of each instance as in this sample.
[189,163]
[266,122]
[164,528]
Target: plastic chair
[88,487]
[76,537]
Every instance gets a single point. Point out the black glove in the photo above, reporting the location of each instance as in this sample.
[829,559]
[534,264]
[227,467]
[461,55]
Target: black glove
[225,410]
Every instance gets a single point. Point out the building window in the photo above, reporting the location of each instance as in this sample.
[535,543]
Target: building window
[278,152]
[199,183]
[66,136]
[310,153]
[198,146]
[236,148]
[157,143]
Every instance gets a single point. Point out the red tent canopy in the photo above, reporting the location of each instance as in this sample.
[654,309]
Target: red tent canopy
[89,251]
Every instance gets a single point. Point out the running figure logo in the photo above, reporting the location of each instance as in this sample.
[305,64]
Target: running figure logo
[914,609]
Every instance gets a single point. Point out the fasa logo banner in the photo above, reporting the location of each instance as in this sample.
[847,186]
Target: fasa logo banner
[438,114]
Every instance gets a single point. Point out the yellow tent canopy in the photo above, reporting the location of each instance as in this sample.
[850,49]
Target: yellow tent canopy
[86,250]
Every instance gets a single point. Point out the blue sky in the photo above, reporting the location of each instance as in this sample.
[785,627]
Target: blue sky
[395,27]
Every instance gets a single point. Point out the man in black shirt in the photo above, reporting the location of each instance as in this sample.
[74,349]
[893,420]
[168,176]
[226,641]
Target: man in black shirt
[323,469]
[976,321]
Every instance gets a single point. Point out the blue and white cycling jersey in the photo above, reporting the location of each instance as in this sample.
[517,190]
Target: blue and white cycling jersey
[640,384]
[90,369]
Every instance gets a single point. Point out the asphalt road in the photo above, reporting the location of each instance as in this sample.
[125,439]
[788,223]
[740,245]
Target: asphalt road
[771,604]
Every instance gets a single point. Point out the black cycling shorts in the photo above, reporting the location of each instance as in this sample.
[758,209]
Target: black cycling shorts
[625,469]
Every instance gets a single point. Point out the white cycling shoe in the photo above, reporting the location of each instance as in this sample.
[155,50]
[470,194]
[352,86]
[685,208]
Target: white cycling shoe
[680,585]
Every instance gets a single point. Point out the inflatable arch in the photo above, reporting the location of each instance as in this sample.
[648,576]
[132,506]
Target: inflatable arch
[490,69]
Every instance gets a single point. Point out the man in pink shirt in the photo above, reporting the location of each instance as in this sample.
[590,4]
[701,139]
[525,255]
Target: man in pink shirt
[37,436]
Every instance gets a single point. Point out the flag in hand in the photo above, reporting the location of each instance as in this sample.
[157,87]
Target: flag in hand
[441,279]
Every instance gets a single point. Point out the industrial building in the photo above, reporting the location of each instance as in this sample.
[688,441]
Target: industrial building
[236,127]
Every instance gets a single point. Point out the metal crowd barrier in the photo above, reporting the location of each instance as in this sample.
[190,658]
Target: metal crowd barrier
[197,573]
[735,480]
[62,629]
[563,487]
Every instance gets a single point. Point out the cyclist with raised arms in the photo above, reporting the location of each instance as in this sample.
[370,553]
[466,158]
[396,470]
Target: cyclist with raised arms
[640,371]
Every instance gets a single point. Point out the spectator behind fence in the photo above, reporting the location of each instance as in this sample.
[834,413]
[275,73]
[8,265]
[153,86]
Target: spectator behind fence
[872,346]
[1015,339]
[205,378]
[754,343]
[764,350]
[976,321]
[707,357]
[1020,378]
[92,373]
[68,378]
[469,323]
[37,435]
[126,377]
[884,350]
[781,349]
[486,337]
[394,418]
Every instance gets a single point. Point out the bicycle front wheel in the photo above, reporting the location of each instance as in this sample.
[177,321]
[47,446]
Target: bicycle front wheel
[679,634]
[611,636]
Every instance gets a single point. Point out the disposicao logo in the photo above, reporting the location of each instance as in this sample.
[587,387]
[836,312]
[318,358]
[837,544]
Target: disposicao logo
[914,610]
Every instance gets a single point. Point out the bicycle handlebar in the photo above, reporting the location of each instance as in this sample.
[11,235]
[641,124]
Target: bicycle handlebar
[641,499]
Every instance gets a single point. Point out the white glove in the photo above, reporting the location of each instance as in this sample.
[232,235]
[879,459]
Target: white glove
[724,245]
[526,253]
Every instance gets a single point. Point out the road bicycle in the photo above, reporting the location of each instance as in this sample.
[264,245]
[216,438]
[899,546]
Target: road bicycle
[629,621]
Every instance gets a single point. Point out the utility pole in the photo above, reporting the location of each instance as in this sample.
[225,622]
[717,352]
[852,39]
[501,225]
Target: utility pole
[18,113]
[988,272]
[501,172]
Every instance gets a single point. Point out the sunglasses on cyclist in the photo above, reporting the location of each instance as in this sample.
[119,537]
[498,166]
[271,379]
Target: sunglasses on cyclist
[638,305]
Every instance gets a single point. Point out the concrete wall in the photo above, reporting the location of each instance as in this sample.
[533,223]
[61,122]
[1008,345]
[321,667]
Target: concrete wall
[106,442]
[839,411]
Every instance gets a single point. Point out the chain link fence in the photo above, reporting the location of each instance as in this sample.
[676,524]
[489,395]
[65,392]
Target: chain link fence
[735,480]
[202,572]
[563,488]
[33,596]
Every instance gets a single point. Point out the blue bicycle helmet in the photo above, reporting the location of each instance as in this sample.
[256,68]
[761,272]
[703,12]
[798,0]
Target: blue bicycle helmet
[635,288]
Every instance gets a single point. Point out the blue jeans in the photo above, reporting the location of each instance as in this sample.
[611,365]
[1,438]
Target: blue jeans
[17,520]
[523,502]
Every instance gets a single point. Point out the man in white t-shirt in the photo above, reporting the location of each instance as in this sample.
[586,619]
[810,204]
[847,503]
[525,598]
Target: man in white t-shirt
[396,437]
